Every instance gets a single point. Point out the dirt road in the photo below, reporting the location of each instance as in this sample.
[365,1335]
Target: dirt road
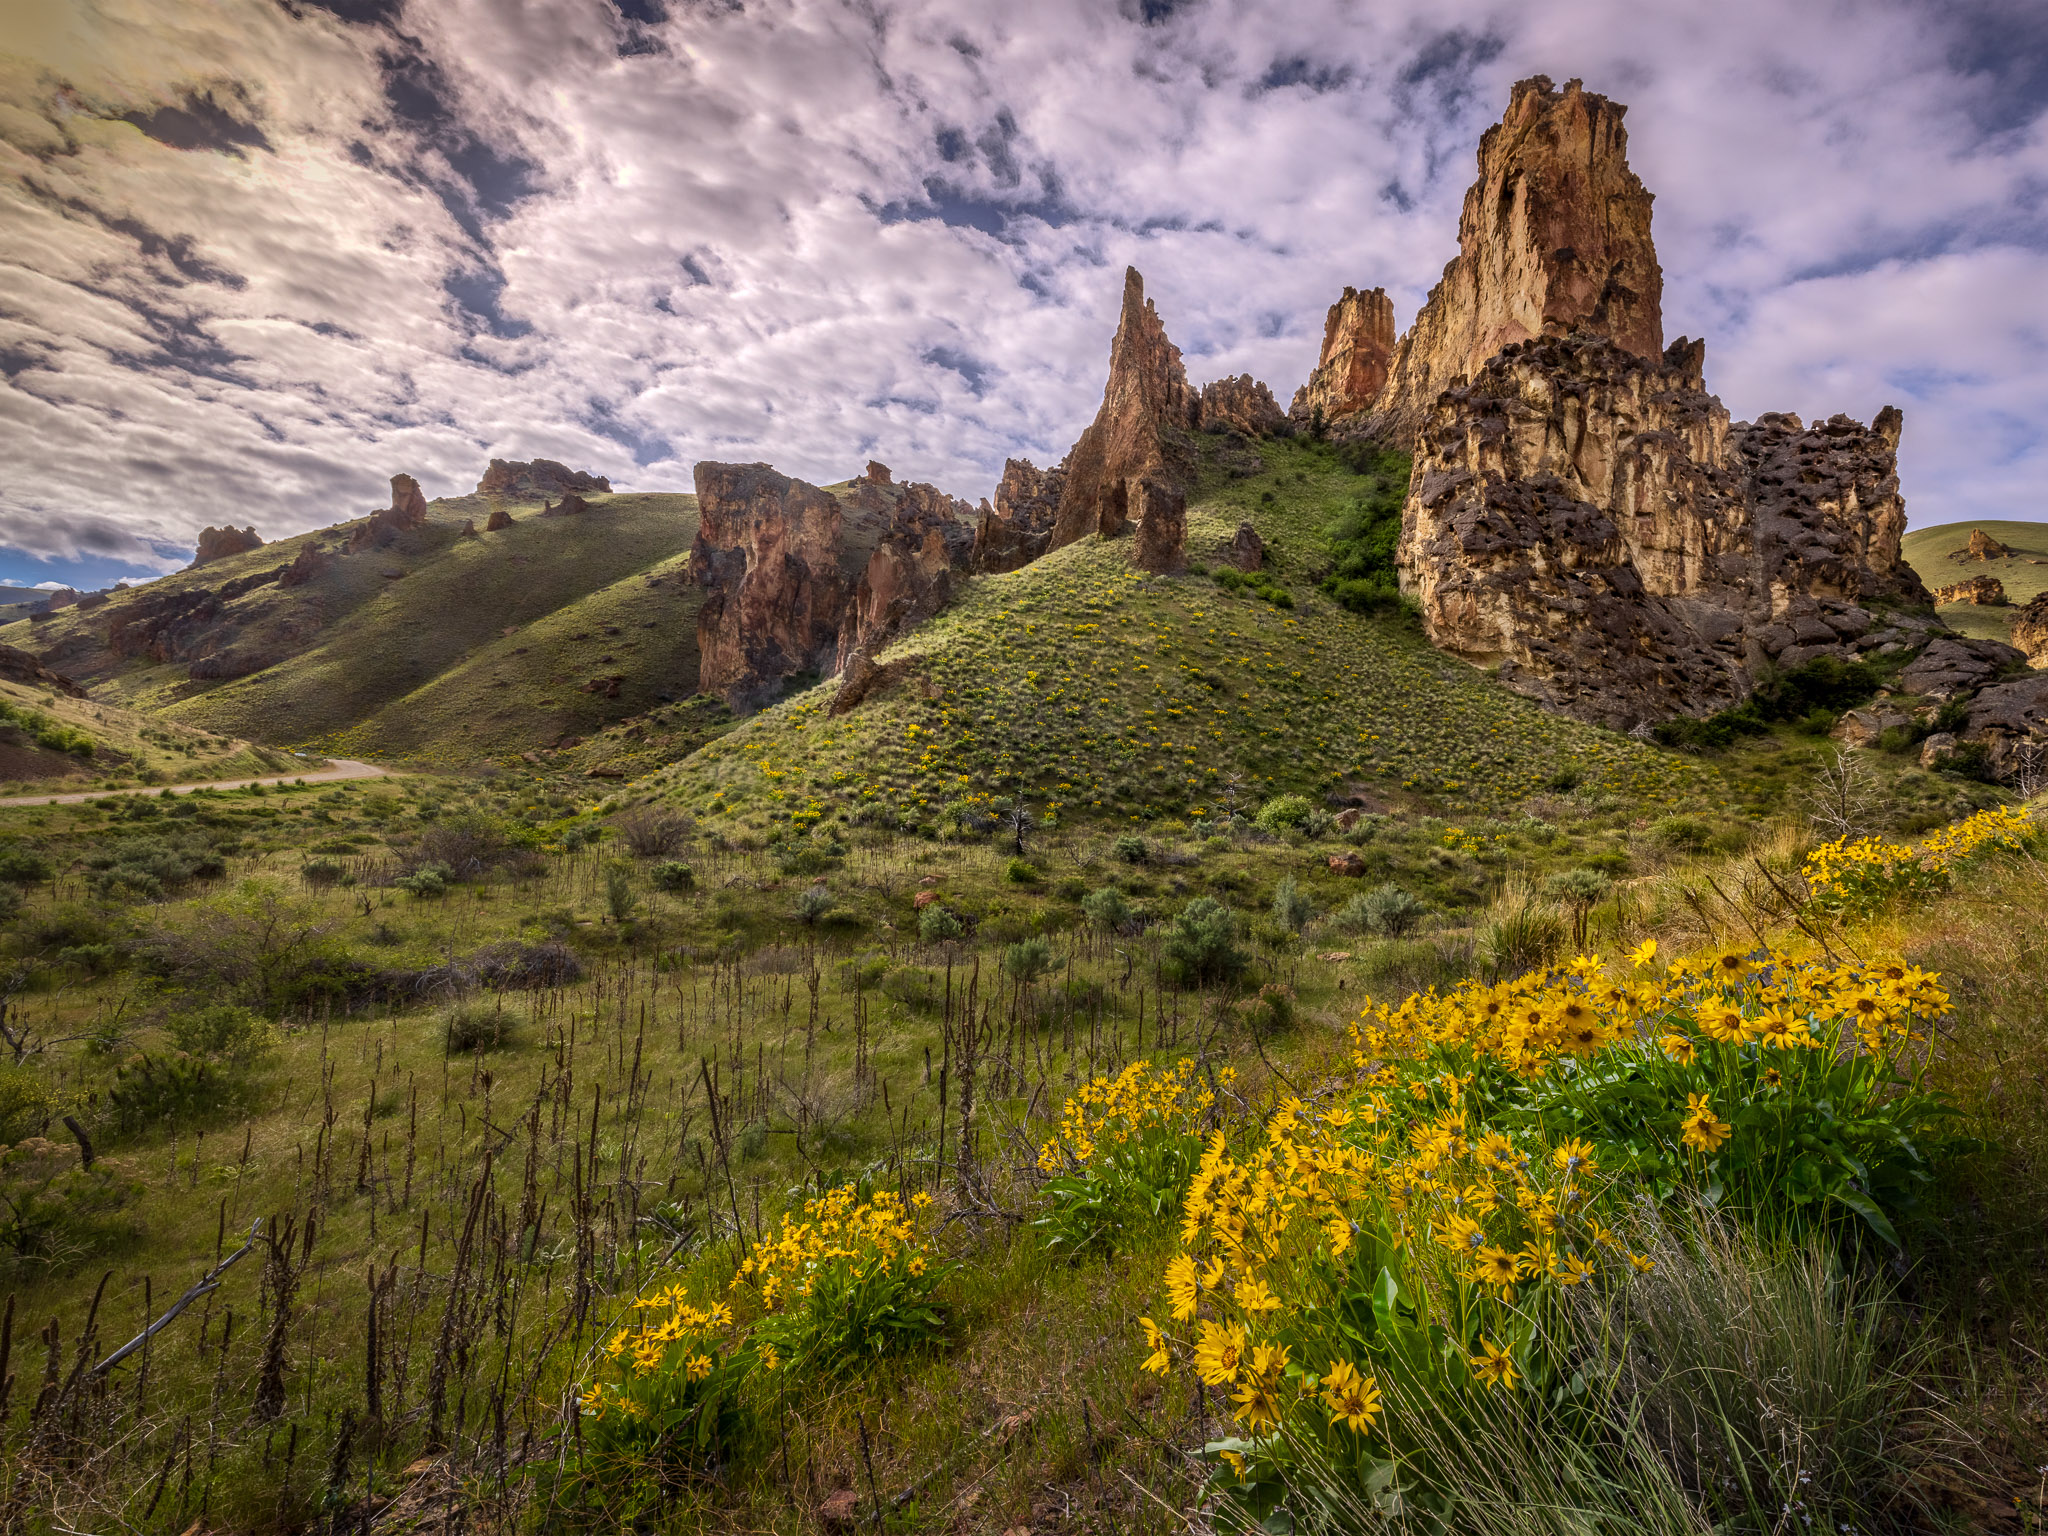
[337,768]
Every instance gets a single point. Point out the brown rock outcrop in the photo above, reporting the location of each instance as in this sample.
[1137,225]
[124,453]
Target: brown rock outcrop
[219,543]
[926,544]
[1140,433]
[1241,404]
[571,505]
[1358,348]
[537,479]
[1555,236]
[19,666]
[876,473]
[2030,627]
[1982,547]
[1589,520]
[1016,530]
[310,561]
[498,519]
[1247,551]
[767,553]
[1984,591]
[408,510]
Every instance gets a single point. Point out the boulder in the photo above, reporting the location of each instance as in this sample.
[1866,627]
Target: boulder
[877,474]
[1982,547]
[1936,747]
[571,505]
[1241,404]
[1141,432]
[498,519]
[1955,665]
[219,543]
[1554,237]
[310,561]
[1862,727]
[1351,370]
[1246,551]
[1349,864]
[1985,591]
[537,479]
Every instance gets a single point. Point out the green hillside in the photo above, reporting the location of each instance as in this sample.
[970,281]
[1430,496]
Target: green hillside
[439,646]
[1930,551]
[1099,691]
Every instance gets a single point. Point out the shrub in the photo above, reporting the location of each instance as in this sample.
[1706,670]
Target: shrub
[52,1209]
[652,832]
[1201,942]
[527,967]
[471,844]
[1519,936]
[475,1027]
[863,973]
[1292,907]
[1386,910]
[808,859]
[1272,1011]
[1131,848]
[1364,537]
[939,925]
[1122,1157]
[812,903]
[1682,834]
[322,872]
[20,865]
[1108,909]
[1283,813]
[148,868]
[1021,872]
[911,985]
[1027,960]
[428,881]
[149,1091]
[223,1033]
[620,899]
[26,1102]
[1860,877]
[673,876]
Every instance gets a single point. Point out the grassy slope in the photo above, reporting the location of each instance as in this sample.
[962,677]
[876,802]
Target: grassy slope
[1104,692]
[526,689]
[128,746]
[1927,550]
[377,627]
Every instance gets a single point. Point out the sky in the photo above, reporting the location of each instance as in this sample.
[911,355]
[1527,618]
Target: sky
[256,256]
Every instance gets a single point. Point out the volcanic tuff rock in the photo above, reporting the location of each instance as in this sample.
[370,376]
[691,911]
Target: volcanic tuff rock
[1589,519]
[1015,531]
[571,505]
[1140,433]
[1555,236]
[2030,627]
[1247,550]
[536,479]
[1358,346]
[797,581]
[1244,405]
[498,519]
[219,543]
[1982,547]
[408,509]
[19,666]
[1986,591]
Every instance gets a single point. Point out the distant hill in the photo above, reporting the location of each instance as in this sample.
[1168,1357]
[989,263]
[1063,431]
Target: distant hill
[1931,551]
[438,646]
[1110,693]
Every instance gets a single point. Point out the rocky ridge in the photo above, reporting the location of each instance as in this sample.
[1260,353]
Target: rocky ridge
[537,479]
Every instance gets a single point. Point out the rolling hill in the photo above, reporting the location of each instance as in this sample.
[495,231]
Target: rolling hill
[440,647]
[1930,551]
[1097,690]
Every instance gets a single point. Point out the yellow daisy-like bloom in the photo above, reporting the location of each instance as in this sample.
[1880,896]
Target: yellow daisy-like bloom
[1641,1263]
[1353,1400]
[1253,1296]
[1219,1356]
[1729,965]
[1571,1270]
[1575,1156]
[699,1367]
[1255,1405]
[1494,1265]
[1463,1234]
[1160,1361]
[1181,1287]
[1494,1365]
[1703,1129]
[1678,1048]
[1724,1024]
[1643,953]
[770,1360]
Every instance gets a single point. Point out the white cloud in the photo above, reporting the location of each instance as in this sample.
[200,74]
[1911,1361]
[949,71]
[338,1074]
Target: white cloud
[814,234]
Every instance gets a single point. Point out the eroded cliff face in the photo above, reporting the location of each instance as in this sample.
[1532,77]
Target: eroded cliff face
[1358,349]
[1241,404]
[1587,519]
[1016,530]
[1140,435]
[800,581]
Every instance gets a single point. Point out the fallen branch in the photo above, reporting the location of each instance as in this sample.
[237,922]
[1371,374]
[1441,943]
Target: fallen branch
[207,1284]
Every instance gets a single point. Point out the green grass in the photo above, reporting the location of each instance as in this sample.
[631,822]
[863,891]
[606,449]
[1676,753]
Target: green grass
[1101,692]
[436,612]
[2025,576]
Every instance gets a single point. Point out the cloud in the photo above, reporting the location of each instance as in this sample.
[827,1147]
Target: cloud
[255,256]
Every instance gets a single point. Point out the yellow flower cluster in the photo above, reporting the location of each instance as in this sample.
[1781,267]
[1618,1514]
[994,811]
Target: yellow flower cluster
[1868,871]
[1112,1111]
[837,1228]
[671,1330]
